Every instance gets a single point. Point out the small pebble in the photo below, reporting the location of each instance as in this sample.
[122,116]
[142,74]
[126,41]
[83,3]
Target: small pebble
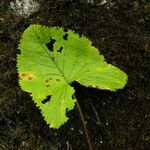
[24,7]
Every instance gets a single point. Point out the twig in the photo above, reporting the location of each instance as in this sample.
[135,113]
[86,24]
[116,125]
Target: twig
[3,146]
[96,114]
[69,146]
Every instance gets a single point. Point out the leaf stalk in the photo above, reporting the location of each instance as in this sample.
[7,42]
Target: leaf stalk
[84,125]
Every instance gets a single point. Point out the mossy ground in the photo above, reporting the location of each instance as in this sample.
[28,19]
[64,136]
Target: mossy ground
[116,121]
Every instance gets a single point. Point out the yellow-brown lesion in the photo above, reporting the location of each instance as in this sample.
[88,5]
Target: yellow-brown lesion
[58,80]
[47,82]
[26,76]
[94,86]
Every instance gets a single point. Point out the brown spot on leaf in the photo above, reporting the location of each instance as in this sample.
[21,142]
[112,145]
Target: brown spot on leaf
[46,80]
[58,80]
[26,76]
[30,78]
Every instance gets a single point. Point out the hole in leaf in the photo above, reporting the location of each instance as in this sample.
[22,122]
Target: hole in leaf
[65,37]
[60,49]
[47,99]
[50,45]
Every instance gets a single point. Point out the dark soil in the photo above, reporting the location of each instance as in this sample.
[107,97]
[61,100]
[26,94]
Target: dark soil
[116,120]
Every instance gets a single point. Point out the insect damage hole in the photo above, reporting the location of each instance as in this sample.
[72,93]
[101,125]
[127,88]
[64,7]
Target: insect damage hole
[60,49]
[65,37]
[50,45]
[47,99]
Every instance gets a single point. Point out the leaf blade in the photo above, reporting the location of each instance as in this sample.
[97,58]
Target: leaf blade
[45,71]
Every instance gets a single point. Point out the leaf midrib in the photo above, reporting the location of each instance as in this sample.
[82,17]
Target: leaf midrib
[52,60]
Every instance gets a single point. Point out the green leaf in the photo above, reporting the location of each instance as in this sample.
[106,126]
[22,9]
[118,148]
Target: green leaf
[51,60]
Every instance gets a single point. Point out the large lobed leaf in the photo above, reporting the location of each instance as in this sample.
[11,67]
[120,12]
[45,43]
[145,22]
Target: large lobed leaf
[51,59]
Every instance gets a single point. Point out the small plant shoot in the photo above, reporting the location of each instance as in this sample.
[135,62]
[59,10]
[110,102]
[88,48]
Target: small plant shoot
[51,59]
